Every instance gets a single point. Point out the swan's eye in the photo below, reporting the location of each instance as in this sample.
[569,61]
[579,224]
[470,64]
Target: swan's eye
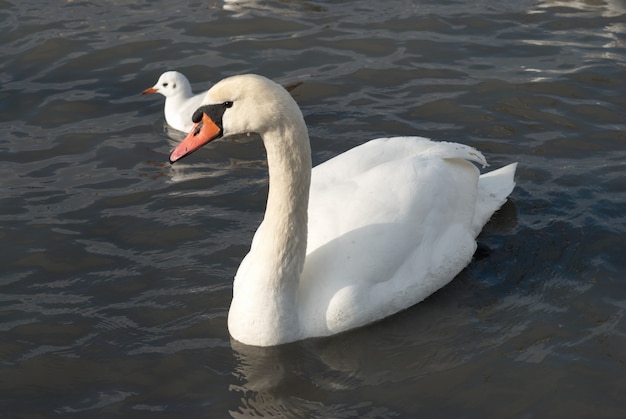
[228,104]
[164,84]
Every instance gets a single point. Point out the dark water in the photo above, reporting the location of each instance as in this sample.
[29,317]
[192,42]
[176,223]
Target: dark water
[116,268]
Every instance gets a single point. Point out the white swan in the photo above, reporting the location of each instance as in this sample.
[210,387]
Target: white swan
[389,222]
[180,101]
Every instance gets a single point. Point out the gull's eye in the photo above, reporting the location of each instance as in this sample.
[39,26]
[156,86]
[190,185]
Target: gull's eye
[164,84]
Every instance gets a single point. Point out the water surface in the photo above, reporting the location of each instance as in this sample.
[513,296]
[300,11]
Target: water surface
[117,267]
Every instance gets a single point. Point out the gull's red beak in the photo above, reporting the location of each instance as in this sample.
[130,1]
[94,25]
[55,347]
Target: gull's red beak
[201,133]
[149,90]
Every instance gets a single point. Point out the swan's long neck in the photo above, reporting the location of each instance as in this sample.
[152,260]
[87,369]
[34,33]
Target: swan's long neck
[285,221]
[265,307]
[289,165]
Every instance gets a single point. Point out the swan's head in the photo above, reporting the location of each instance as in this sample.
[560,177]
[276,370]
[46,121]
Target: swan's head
[239,105]
[170,84]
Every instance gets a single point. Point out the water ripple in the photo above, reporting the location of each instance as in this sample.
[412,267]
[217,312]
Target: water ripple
[117,267]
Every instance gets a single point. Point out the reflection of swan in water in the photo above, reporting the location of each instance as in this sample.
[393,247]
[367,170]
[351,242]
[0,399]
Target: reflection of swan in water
[297,378]
[301,378]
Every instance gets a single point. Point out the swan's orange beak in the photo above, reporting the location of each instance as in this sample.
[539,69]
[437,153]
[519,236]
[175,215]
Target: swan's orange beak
[149,90]
[201,133]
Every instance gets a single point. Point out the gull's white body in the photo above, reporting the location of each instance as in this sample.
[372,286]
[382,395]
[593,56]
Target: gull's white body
[357,238]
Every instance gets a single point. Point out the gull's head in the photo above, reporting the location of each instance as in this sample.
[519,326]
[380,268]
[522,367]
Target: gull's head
[170,84]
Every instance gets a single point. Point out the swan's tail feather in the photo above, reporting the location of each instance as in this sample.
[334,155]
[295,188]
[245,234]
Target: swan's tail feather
[493,189]
[448,150]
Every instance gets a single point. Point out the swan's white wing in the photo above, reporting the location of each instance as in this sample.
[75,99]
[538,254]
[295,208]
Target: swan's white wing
[383,177]
[390,222]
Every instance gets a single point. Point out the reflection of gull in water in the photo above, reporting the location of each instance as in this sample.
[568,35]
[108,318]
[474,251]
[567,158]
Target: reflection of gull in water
[239,151]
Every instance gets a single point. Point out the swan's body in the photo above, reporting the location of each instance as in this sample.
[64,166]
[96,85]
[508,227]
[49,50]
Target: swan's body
[361,236]
[180,101]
